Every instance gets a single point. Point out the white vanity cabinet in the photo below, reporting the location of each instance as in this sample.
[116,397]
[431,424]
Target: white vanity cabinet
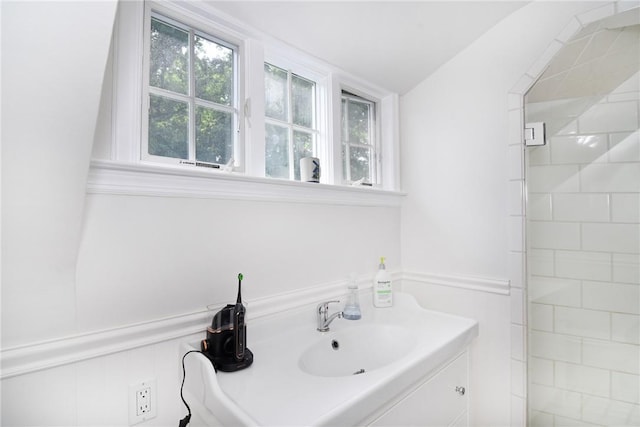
[441,400]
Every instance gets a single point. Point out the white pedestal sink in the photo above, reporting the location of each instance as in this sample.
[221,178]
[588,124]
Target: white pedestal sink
[351,375]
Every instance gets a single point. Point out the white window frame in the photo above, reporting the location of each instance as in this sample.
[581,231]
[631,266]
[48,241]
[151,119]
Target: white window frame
[374,145]
[190,98]
[247,180]
[319,74]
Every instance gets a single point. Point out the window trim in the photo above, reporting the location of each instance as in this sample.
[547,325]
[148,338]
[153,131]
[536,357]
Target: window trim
[126,67]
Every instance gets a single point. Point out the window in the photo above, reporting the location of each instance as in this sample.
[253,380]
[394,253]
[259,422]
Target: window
[209,90]
[290,121]
[192,96]
[358,139]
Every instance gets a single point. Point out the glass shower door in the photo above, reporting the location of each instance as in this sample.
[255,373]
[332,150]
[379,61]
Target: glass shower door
[583,233]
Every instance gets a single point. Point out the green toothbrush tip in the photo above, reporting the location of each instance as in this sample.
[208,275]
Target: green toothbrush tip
[240,276]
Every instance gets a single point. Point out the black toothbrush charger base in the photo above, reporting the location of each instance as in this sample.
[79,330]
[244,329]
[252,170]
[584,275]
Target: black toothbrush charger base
[230,364]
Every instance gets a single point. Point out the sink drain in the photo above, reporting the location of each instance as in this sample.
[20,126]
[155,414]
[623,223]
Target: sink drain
[335,344]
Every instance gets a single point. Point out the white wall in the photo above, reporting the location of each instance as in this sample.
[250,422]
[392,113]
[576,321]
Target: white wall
[78,264]
[455,168]
[155,257]
[53,60]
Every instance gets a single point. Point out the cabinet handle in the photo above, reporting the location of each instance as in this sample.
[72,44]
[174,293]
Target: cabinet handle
[460,390]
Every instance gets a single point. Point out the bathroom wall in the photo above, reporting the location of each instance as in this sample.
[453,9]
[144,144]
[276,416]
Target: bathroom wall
[583,217]
[459,219]
[83,269]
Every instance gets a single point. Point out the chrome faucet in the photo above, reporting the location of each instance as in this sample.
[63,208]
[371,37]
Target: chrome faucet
[324,320]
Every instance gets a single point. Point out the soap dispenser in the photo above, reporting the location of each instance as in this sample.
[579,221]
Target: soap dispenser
[382,291]
[352,307]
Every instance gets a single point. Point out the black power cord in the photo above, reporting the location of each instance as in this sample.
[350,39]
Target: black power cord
[185,420]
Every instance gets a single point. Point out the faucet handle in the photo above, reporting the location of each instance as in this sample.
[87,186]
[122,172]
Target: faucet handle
[324,306]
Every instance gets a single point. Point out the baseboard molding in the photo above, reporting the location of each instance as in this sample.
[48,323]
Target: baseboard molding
[37,356]
[481,284]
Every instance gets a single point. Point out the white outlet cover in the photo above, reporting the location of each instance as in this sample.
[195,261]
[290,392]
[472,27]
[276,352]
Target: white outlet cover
[150,384]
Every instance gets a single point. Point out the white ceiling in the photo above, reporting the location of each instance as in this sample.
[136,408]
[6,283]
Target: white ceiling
[393,44]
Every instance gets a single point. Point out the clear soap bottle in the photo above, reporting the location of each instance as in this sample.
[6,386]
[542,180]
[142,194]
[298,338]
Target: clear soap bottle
[352,307]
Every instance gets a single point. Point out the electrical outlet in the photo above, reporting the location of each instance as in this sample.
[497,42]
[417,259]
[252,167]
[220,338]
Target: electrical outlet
[142,401]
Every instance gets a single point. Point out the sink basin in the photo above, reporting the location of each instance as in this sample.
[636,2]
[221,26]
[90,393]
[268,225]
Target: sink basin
[356,350]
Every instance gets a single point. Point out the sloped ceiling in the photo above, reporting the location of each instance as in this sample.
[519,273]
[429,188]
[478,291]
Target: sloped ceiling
[393,44]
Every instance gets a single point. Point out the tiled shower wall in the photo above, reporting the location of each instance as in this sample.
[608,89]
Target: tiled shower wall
[583,250]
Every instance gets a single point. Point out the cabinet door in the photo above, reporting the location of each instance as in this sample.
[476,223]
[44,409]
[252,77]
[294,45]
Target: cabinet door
[437,402]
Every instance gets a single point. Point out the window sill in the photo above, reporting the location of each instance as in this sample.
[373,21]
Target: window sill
[139,179]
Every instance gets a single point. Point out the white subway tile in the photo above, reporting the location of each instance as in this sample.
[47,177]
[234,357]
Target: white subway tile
[625,207]
[555,401]
[581,322]
[552,290]
[618,297]
[523,84]
[540,419]
[515,101]
[583,265]
[541,317]
[608,412]
[541,371]
[518,412]
[540,262]
[624,238]
[554,235]
[516,269]
[543,61]
[581,207]
[622,5]
[579,149]
[516,198]
[554,346]
[517,342]
[569,30]
[571,422]
[625,387]
[584,379]
[596,14]
[516,126]
[516,233]
[625,328]
[626,268]
[518,378]
[609,117]
[538,156]
[612,177]
[553,179]
[516,162]
[569,129]
[610,355]
[539,206]
[517,306]
[625,147]
[632,84]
